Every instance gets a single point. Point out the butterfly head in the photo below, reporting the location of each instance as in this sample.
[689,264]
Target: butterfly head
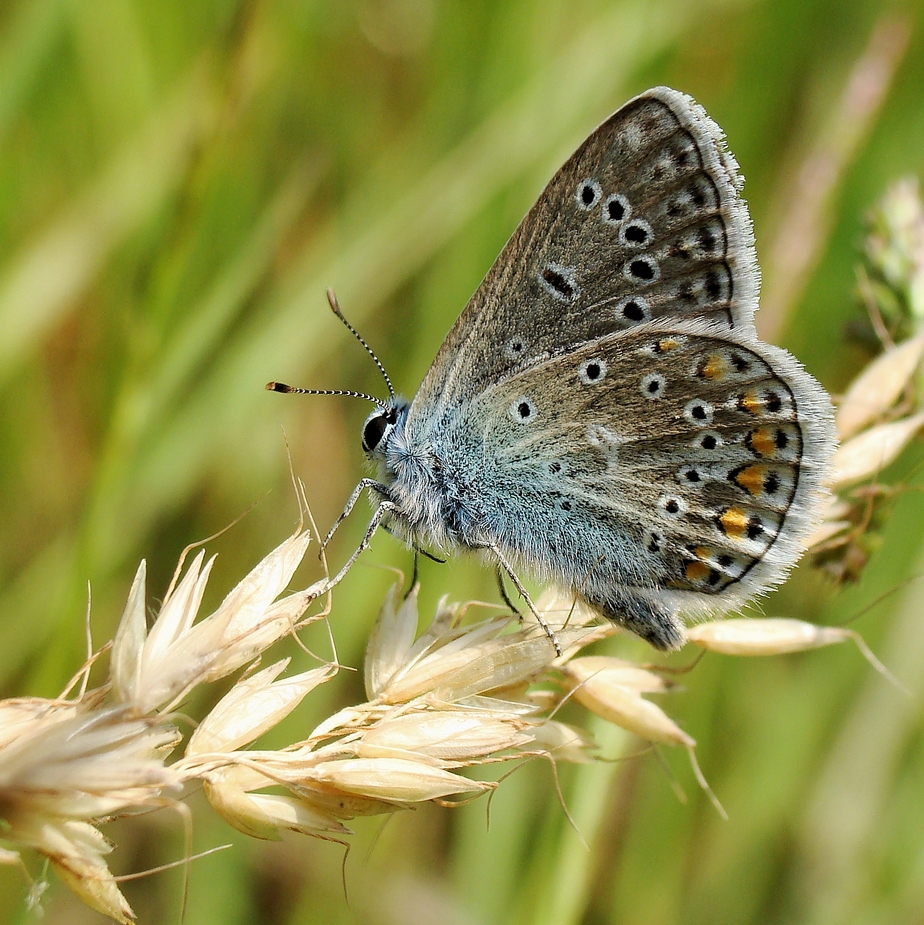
[380,425]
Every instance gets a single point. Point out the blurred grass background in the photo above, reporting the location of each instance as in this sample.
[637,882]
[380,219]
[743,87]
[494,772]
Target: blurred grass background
[178,185]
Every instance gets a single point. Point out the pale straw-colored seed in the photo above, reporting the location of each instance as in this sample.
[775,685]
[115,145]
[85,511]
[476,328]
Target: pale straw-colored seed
[346,719]
[764,636]
[869,453]
[455,672]
[128,644]
[626,708]
[518,700]
[617,671]
[448,736]
[393,779]
[246,778]
[243,643]
[254,705]
[391,639]
[878,387]
[92,764]
[147,666]
[563,742]
[371,750]
[265,815]
[345,805]
[779,636]
[154,669]
[76,851]
[23,716]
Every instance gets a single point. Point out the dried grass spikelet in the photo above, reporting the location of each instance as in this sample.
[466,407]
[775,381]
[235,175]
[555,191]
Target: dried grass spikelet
[876,429]
[69,765]
[879,414]
[454,697]
[154,669]
[457,695]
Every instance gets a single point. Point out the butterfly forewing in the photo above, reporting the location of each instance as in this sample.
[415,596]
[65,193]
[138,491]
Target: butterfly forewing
[643,222]
[673,464]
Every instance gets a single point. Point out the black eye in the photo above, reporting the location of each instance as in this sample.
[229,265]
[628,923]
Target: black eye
[373,430]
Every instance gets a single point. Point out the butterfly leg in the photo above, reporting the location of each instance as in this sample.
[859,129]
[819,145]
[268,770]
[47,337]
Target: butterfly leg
[505,565]
[383,510]
[418,550]
[498,573]
[372,485]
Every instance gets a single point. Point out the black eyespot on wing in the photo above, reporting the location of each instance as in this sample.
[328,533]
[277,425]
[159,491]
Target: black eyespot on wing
[592,371]
[515,347]
[633,311]
[740,363]
[636,233]
[615,210]
[559,282]
[707,239]
[642,269]
[522,410]
[587,194]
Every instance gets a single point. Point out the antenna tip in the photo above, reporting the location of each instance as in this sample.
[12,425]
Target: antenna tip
[334,304]
[278,387]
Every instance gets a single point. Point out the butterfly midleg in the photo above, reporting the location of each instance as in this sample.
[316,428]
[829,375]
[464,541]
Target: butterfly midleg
[385,508]
[498,573]
[418,550]
[525,595]
[372,485]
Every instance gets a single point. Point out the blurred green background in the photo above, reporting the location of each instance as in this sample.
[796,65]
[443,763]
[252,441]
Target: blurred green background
[179,182]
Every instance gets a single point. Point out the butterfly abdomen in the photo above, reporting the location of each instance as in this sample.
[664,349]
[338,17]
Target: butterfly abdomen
[641,614]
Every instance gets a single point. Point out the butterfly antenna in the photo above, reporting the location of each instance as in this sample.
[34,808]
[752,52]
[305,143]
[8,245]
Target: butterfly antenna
[288,389]
[335,308]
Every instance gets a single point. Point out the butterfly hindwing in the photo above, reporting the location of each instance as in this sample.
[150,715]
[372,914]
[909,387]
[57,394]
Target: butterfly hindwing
[668,465]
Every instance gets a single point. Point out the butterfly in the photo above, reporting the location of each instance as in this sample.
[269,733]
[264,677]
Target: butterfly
[602,415]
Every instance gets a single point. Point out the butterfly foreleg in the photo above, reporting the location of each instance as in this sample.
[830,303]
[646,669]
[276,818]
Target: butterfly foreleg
[364,484]
[383,510]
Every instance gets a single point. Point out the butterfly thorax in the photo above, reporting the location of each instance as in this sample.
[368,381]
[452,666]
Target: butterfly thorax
[434,498]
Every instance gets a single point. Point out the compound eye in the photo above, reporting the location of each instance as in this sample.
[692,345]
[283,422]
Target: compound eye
[373,431]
